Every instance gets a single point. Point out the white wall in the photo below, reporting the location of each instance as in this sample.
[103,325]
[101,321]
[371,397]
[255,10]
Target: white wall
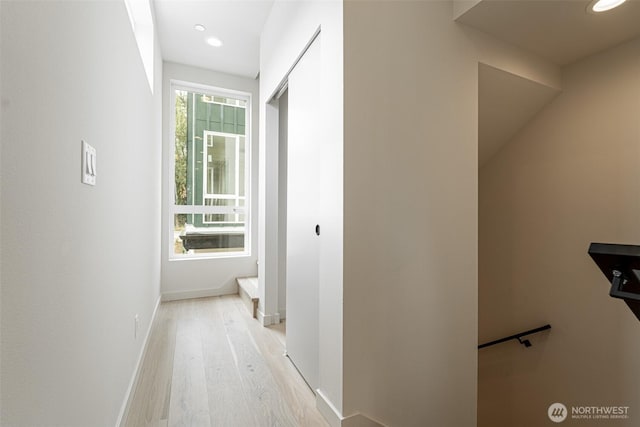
[78,262]
[569,178]
[462,6]
[504,56]
[283,140]
[290,27]
[204,277]
[409,202]
[1,179]
[410,256]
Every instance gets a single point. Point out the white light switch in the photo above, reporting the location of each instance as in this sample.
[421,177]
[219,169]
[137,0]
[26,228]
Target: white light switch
[88,164]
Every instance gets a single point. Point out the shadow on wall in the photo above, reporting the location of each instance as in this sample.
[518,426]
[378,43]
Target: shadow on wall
[568,178]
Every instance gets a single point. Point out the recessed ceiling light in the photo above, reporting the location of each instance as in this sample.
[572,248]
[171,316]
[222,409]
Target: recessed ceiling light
[199,27]
[604,5]
[214,41]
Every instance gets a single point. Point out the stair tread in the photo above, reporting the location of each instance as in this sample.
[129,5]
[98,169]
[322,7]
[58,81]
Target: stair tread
[249,285]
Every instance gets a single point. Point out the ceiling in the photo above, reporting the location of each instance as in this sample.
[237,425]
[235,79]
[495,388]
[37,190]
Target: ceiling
[562,31]
[237,23]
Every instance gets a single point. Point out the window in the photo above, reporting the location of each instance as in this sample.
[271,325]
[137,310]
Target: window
[210,169]
[141,19]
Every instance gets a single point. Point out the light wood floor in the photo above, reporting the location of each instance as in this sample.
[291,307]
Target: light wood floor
[209,363]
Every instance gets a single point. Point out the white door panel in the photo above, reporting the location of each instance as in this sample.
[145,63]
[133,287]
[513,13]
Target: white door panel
[303,187]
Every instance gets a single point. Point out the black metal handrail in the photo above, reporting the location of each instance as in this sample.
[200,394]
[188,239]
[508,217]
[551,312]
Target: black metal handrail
[518,337]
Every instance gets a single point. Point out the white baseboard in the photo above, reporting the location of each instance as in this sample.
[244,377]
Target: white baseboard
[268,319]
[199,293]
[136,371]
[335,419]
[328,410]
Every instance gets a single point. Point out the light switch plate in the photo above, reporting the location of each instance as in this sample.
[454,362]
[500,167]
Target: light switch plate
[88,164]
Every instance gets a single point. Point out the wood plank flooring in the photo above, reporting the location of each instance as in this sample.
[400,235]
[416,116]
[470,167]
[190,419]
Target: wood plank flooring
[210,364]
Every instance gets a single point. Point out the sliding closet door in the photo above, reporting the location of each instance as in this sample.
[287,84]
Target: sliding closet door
[303,241]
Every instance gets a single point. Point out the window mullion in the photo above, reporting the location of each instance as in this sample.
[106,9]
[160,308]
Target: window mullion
[210,224]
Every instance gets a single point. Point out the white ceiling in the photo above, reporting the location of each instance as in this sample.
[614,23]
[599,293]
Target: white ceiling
[237,23]
[561,31]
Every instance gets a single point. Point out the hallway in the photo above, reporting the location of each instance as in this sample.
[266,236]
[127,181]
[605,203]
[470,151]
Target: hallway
[209,363]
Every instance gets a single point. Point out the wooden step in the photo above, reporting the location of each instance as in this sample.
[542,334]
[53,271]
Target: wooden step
[248,291]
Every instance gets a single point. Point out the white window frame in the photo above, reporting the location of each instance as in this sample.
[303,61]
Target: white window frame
[236,211]
[174,209]
[230,104]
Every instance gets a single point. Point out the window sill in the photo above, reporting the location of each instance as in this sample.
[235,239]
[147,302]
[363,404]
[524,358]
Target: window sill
[202,257]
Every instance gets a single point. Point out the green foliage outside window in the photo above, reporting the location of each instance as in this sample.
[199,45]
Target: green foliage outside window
[181,155]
